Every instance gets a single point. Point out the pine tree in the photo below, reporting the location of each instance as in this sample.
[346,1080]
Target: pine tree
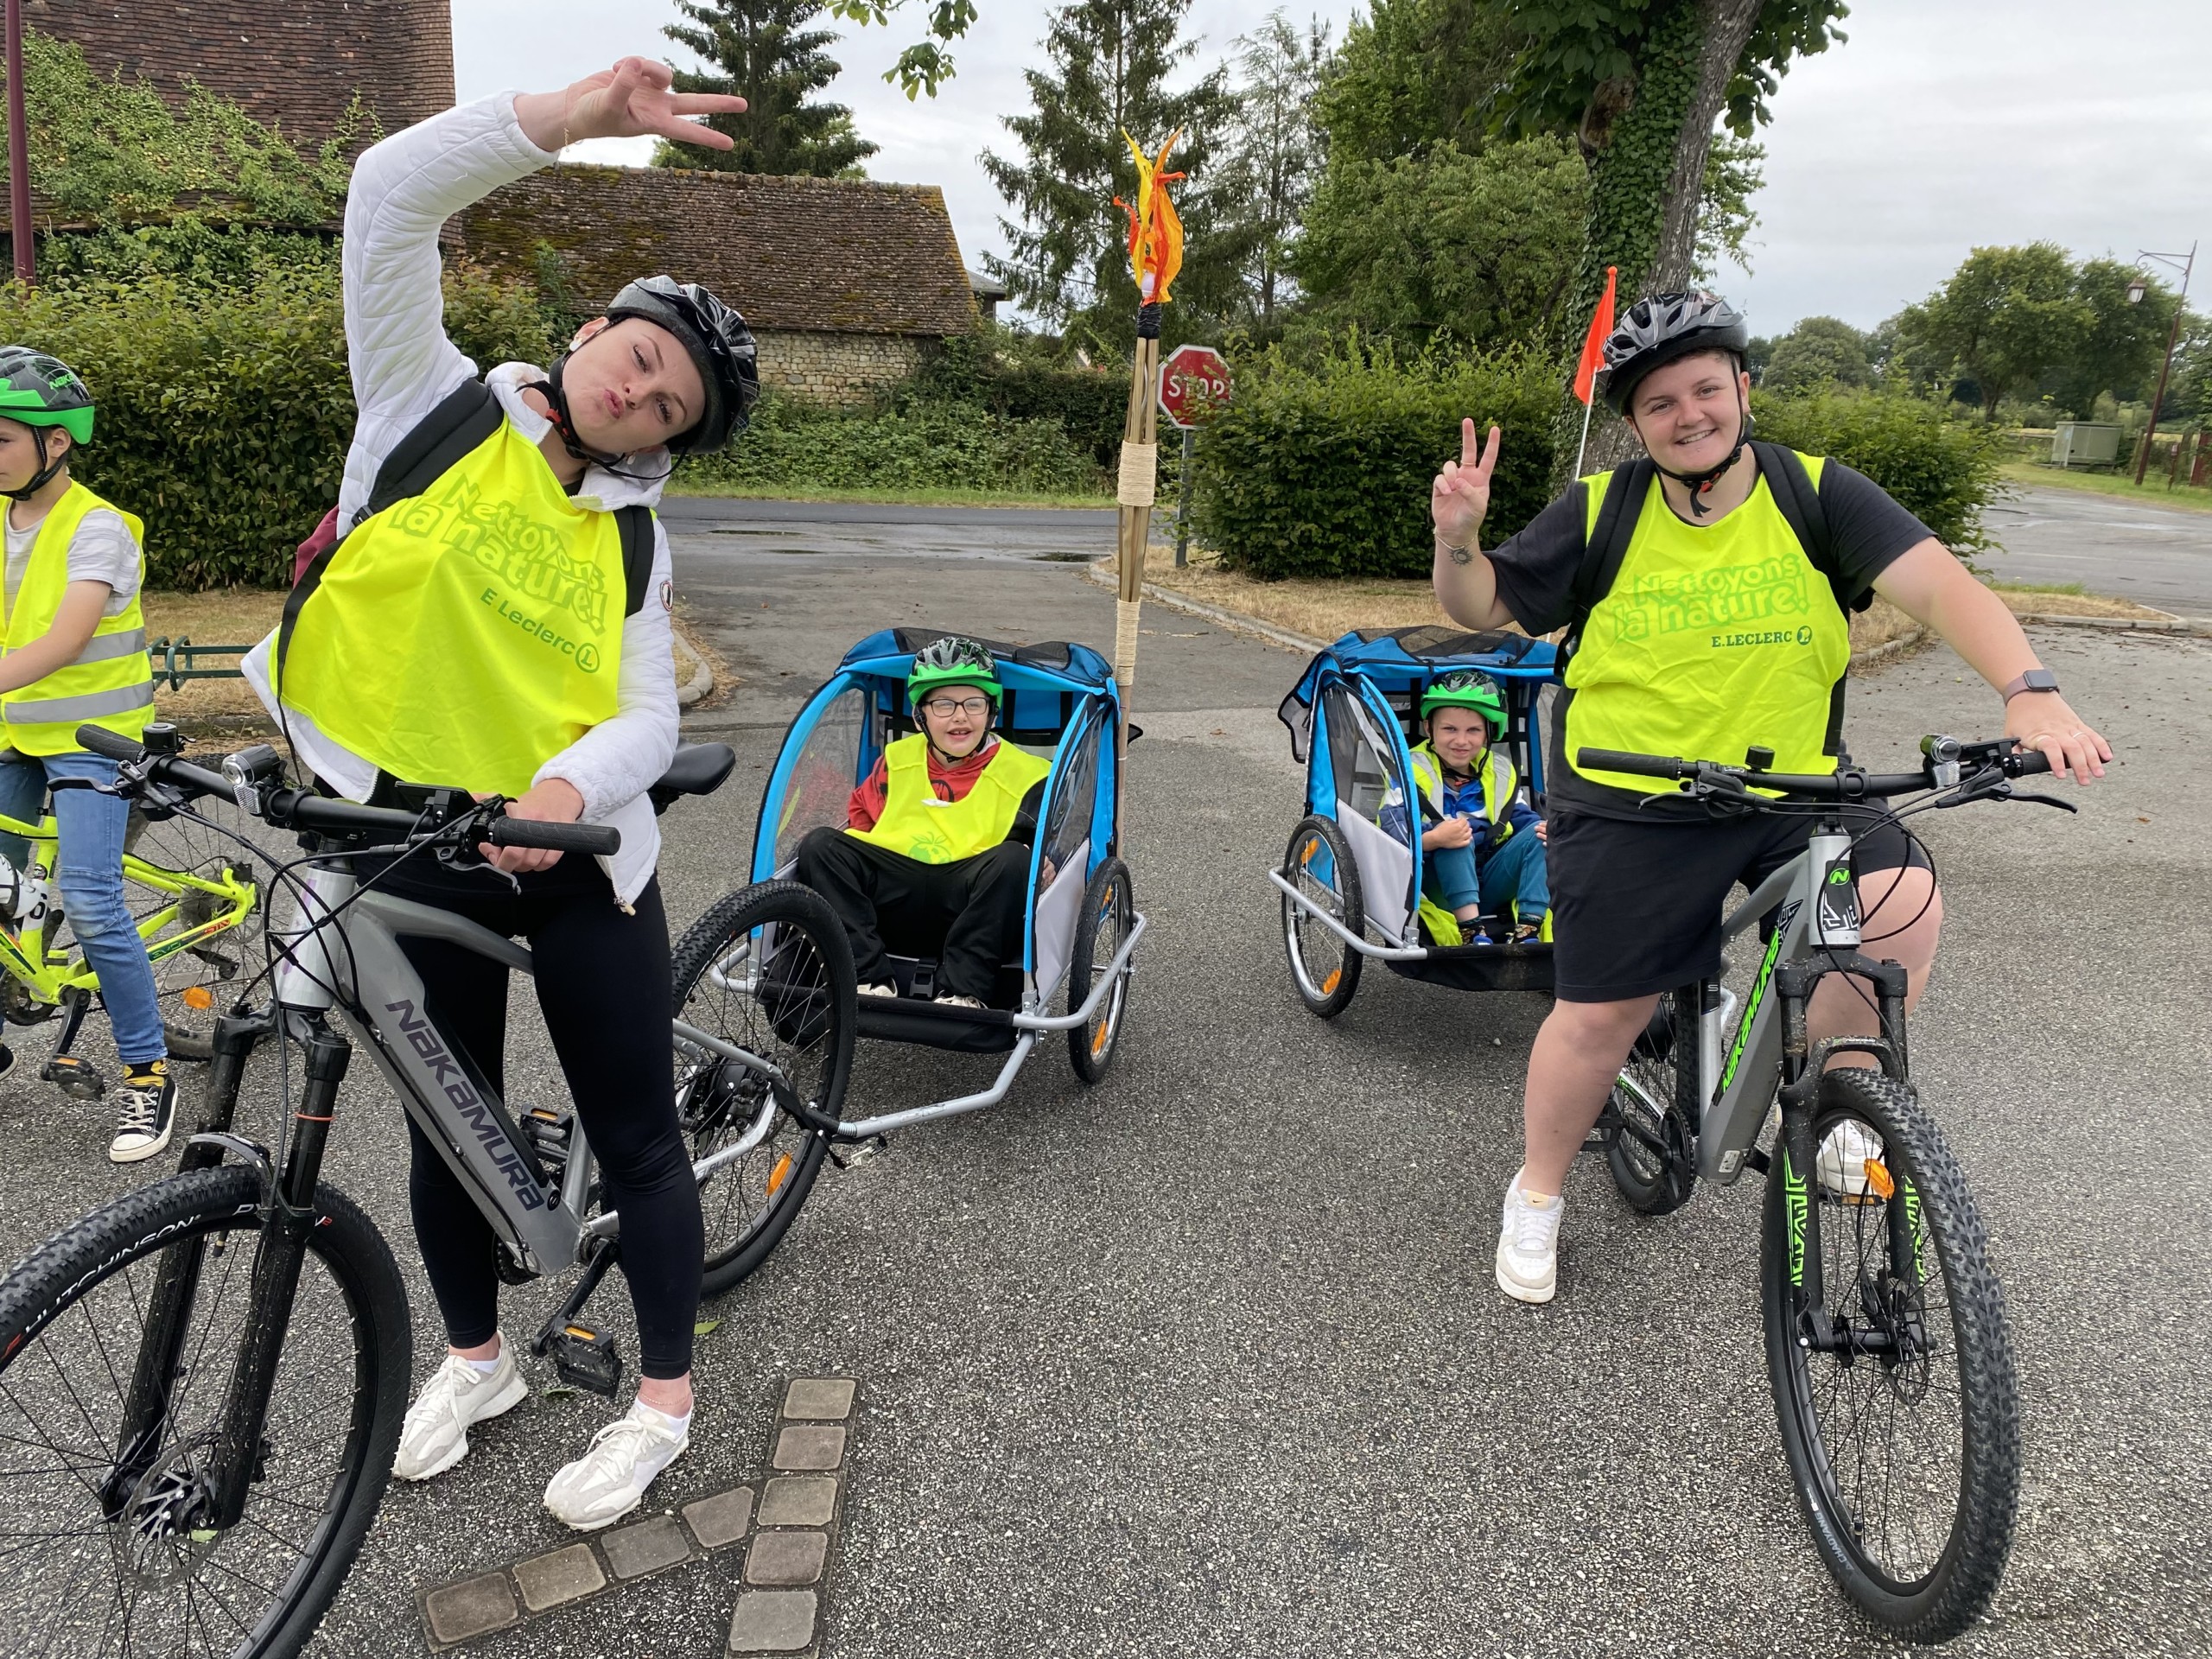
[759,51]
[1111,64]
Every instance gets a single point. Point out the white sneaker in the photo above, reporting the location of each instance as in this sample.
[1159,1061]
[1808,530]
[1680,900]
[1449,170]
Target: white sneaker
[959,1002]
[610,1479]
[1527,1246]
[435,1436]
[1846,1151]
[879,989]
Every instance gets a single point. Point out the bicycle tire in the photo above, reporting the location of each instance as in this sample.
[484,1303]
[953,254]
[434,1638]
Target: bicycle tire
[73,1268]
[1106,898]
[201,975]
[1654,1098]
[1967,1564]
[1327,992]
[807,1018]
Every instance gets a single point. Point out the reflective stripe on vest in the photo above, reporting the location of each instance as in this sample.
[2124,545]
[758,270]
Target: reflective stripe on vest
[111,683]
[1500,781]
[916,824]
[1712,639]
[466,635]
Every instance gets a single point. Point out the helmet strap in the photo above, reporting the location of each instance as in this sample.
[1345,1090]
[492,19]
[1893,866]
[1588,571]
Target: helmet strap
[1699,483]
[47,471]
[565,429]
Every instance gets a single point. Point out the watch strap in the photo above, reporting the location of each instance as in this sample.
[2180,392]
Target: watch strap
[2035,679]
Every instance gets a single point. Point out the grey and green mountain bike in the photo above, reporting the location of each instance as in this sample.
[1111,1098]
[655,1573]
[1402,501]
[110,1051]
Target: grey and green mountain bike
[1886,1342]
[202,1384]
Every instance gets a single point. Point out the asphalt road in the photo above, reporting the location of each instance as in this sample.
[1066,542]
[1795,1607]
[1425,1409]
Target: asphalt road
[2150,555]
[1207,1360]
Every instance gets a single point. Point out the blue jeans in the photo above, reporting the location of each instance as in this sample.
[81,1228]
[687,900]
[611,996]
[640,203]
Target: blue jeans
[90,879]
[1454,878]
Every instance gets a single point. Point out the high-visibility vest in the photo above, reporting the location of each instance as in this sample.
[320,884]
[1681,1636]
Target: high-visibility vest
[111,684]
[1712,639]
[916,823]
[465,636]
[1500,780]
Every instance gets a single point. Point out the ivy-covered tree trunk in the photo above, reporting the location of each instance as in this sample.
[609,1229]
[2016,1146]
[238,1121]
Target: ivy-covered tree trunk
[1646,138]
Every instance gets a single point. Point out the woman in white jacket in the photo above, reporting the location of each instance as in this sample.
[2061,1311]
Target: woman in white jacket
[486,632]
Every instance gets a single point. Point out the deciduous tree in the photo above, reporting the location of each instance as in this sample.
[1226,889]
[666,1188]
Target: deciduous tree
[2007,318]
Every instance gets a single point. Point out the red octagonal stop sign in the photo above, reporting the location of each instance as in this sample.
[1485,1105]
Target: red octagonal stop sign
[1193,383]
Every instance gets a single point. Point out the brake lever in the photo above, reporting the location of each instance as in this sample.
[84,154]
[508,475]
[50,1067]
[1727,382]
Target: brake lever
[2012,794]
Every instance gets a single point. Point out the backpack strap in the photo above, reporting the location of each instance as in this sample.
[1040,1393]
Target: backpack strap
[636,525]
[1799,503]
[463,419]
[1626,492]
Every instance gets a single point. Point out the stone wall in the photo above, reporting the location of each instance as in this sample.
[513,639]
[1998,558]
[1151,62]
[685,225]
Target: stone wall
[837,370]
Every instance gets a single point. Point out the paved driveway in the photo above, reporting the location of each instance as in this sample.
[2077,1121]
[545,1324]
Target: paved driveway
[2150,555]
[1207,1361]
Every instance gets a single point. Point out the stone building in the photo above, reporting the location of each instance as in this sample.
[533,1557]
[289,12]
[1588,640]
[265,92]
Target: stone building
[842,281]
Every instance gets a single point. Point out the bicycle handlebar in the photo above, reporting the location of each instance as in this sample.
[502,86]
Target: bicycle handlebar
[298,809]
[1849,784]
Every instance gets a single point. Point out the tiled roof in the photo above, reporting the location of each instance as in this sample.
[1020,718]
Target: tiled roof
[844,256]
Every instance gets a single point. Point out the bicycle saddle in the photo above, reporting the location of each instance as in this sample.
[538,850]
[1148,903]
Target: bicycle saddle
[697,769]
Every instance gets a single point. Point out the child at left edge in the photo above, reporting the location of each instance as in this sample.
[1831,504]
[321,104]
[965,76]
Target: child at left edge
[75,655]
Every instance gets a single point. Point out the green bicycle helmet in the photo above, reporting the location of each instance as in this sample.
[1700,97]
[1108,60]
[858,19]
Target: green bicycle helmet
[41,392]
[1467,688]
[953,660]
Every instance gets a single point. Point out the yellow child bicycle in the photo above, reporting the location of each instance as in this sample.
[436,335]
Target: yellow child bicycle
[193,902]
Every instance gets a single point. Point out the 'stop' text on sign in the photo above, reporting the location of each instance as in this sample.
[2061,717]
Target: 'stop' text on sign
[1193,384]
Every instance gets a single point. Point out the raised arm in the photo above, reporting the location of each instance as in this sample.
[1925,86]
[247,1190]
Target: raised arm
[1466,586]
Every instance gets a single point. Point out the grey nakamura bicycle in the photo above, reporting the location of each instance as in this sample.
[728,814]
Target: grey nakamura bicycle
[1886,1343]
[202,1385]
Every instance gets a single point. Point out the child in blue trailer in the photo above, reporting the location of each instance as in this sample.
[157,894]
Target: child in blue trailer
[1483,849]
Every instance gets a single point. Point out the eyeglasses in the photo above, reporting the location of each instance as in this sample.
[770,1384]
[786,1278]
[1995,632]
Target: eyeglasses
[945,708]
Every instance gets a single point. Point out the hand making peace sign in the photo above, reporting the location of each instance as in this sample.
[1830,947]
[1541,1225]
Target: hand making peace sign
[631,100]
[1461,496]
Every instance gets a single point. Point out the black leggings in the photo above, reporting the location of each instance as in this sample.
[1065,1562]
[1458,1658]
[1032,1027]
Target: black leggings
[602,980]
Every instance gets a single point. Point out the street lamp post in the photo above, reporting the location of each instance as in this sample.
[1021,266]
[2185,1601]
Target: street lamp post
[2136,289]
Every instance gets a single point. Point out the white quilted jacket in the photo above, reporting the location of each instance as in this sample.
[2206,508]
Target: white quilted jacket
[404,190]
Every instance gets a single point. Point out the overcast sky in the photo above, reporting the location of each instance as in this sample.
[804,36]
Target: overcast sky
[1941,125]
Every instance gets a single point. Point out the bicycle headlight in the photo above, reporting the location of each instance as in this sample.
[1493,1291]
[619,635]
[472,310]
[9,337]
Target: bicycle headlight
[250,770]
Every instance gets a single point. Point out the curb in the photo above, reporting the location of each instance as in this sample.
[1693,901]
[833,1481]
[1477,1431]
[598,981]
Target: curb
[701,684]
[1888,648]
[2165,622]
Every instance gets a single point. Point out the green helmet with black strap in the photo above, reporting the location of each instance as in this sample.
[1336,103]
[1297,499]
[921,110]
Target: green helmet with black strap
[954,660]
[40,390]
[1467,688]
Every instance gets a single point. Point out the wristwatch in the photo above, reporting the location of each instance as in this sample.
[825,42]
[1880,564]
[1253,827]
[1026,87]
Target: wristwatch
[2036,679]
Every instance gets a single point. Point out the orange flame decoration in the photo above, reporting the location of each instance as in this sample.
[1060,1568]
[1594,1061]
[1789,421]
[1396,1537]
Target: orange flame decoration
[1155,233]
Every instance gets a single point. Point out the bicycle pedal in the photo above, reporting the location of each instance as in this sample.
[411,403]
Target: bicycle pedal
[866,1151]
[79,1079]
[550,1133]
[588,1359]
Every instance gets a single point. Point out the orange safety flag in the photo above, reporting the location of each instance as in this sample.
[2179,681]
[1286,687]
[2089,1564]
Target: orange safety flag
[1593,343]
[1155,232]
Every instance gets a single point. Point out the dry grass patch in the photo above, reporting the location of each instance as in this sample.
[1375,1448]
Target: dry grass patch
[2070,600]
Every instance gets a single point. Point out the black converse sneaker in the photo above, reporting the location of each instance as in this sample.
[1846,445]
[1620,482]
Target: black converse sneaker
[148,1099]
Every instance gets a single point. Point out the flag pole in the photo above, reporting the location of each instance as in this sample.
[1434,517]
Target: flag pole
[1581,448]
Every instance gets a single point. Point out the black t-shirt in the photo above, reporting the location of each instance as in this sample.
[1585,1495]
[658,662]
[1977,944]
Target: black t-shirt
[1868,532]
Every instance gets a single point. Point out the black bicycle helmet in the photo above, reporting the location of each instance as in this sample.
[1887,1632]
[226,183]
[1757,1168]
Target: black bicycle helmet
[718,342]
[1661,328]
[41,390]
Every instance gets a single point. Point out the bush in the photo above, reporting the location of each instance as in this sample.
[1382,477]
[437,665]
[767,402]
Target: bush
[923,445]
[1942,470]
[224,409]
[1324,469]
[1003,372]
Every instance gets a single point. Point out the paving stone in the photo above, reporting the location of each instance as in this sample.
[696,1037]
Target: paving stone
[786,1557]
[799,1501]
[772,1621]
[721,1520]
[646,1548]
[809,1446]
[565,1575]
[827,1399]
[474,1607]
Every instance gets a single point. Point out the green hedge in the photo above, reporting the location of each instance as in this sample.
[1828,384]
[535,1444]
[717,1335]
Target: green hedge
[224,409]
[920,445]
[1324,469]
[997,369]
[1941,469]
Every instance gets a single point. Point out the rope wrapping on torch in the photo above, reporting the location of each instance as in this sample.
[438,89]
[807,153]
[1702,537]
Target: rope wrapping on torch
[1125,639]
[1136,483]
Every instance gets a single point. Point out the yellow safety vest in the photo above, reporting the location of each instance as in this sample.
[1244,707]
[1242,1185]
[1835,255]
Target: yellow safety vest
[112,683]
[1500,780]
[916,823]
[1711,639]
[466,635]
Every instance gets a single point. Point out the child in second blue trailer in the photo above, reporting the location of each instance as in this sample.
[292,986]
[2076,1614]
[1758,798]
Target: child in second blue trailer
[1482,848]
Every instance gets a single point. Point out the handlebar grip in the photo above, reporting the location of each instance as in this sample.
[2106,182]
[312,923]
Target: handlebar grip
[2027,763]
[112,746]
[597,838]
[1641,765]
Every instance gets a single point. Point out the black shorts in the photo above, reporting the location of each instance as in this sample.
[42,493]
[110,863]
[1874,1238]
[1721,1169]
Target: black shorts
[1636,906]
